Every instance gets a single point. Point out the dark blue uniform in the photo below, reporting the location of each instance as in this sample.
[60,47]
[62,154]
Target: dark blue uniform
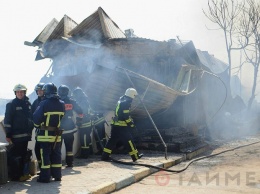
[89,119]
[48,117]
[122,125]
[35,104]
[85,128]
[69,127]
[18,126]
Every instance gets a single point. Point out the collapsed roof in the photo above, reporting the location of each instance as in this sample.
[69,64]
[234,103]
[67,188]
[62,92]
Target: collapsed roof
[78,50]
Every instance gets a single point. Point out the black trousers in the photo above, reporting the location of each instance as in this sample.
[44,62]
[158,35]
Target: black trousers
[50,155]
[37,148]
[16,157]
[123,135]
[51,160]
[37,153]
[85,142]
[68,141]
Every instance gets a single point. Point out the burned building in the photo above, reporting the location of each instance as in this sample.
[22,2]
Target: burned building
[181,87]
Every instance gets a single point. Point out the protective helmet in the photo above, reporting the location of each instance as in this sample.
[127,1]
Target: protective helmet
[131,92]
[19,87]
[63,91]
[77,92]
[39,86]
[50,90]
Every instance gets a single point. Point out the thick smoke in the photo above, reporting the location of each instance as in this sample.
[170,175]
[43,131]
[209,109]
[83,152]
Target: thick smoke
[210,106]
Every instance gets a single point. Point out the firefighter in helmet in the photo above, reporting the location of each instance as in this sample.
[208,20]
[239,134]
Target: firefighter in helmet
[48,117]
[90,119]
[67,123]
[18,126]
[121,127]
[85,128]
[35,104]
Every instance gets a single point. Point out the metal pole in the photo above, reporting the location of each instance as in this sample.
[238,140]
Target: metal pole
[151,119]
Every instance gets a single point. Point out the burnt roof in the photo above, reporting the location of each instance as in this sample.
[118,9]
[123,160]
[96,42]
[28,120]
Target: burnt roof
[98,26]
[65,25]
[44,35]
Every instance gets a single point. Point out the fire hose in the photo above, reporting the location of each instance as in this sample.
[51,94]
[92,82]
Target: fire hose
[186,166]
[165,146]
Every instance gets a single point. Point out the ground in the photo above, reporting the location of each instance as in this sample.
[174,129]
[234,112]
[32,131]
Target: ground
[234,171]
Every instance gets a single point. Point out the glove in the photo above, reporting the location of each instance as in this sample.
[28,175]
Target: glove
[78,121]
[131,124]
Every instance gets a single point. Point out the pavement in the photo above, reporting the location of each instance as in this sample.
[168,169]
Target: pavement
[93,176]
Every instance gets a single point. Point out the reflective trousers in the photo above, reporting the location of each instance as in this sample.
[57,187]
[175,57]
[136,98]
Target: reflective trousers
[123,135]
[50,155]
[85,141]
[51,160]
[68,141]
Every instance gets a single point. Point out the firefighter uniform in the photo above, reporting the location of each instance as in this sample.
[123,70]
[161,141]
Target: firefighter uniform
[18,126]
[122,124]
[67,123]
[48,117]
[35,104]
[90,120]
[86,126]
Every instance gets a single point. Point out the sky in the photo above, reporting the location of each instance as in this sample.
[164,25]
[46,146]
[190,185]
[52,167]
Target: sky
[158,20]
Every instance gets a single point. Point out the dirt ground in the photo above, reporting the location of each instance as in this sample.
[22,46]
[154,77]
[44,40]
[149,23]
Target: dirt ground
[234,171]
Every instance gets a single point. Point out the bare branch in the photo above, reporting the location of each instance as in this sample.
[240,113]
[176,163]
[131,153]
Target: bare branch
[225,14]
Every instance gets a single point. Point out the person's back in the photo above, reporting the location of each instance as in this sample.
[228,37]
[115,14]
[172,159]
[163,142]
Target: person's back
[86,126]
[67,122]
[121,127]
[47,117]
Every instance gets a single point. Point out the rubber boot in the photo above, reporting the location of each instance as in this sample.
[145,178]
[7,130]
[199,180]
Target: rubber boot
[84,153]
[105,156]
[26,174]
[138,157]
[90,149]
[69,161]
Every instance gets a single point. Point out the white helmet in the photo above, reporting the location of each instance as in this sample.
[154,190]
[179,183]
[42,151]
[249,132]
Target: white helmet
[131,92]
[19,87]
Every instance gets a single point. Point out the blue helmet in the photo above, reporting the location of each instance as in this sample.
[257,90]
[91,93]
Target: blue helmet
[63,91]
[39,86]
[50,90]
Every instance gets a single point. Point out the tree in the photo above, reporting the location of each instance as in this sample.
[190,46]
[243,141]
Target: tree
[225,13]
[249,30]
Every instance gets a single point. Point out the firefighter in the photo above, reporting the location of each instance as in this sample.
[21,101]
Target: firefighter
[86,126]
[121,127]
[35,104]
[91,121]
[48,117]
[18,126]
[67,123]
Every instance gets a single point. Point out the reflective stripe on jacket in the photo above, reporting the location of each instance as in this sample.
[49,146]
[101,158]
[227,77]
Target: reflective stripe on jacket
[49,113]
[122,116]
[18,120]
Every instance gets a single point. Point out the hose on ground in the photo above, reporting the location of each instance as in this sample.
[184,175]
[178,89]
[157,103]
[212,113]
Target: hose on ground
[186,166]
